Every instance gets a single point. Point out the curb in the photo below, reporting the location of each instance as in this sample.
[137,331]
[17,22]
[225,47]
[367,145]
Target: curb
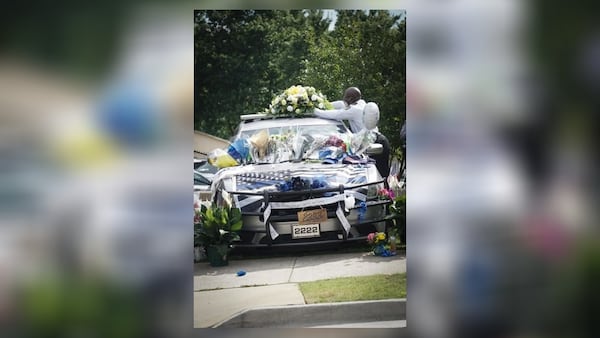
[318,314]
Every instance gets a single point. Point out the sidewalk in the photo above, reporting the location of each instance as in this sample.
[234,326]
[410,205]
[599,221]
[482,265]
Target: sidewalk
[219,293]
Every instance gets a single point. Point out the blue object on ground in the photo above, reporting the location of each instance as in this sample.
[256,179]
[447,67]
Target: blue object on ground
[241,273]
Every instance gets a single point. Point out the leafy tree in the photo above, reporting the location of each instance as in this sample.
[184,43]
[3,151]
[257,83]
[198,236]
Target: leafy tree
[367,50]
[227,65]
[244,58]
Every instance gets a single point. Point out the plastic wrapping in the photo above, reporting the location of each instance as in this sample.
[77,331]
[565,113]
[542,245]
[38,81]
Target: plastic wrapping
[221,159]
[331,153]
[395,167]
[315,145]
[282,147]
[395,185]
[240,150]
[259,146]
[361,141]
[289,145]
[299,146]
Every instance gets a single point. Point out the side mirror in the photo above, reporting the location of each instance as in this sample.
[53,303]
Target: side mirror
[375,149]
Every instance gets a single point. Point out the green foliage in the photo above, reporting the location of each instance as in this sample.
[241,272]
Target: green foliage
[366,50]
[243,59]
[218,225]
[397,216]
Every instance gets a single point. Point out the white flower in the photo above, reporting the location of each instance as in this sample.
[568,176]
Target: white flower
[273,111]
[227,198]
[321,105]
[283,103]
[290,108]
[294,100]
[313,97]
[297,110]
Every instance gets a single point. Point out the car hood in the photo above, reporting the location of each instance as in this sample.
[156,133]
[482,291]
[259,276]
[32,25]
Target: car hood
[274,177]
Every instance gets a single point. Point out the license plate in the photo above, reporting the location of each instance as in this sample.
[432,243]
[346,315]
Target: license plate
[305,231]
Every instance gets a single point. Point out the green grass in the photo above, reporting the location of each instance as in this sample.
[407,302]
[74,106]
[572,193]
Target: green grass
[355,289]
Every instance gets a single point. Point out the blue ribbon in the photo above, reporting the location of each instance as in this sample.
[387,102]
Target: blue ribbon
[318,183]
[286,186]
[362,209]
[297,184]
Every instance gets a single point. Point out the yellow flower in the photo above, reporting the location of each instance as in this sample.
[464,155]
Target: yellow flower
[381,236]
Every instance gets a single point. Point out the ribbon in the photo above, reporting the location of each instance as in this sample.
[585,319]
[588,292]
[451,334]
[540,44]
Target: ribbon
[308,203]
[266,215]
[362,209]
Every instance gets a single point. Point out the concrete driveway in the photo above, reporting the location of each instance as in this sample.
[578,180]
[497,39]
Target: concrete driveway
[219,293]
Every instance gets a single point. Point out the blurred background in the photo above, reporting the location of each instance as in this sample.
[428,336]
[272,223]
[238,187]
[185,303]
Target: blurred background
[96,111]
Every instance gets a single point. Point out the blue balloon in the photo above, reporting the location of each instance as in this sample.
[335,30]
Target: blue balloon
[242,147]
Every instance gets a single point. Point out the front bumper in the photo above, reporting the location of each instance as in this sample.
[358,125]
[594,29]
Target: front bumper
[271,224]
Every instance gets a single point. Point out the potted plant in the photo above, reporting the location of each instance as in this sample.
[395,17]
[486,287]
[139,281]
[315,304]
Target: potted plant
[216,229]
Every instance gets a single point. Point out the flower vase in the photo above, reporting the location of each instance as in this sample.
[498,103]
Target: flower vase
[217,255]
[393,243]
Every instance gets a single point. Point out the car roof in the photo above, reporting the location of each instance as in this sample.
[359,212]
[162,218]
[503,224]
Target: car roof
[286,121]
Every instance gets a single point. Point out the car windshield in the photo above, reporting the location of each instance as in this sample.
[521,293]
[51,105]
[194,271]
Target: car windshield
[281,140]
[303,129]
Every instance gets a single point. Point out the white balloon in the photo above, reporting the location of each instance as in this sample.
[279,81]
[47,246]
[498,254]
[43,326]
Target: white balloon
[371,115]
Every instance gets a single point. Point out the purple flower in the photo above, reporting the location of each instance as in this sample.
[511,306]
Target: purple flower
[386,193]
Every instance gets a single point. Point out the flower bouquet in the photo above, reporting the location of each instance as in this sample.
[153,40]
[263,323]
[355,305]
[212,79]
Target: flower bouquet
[283,146]
[378,243]
[298,100]
[385,194]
